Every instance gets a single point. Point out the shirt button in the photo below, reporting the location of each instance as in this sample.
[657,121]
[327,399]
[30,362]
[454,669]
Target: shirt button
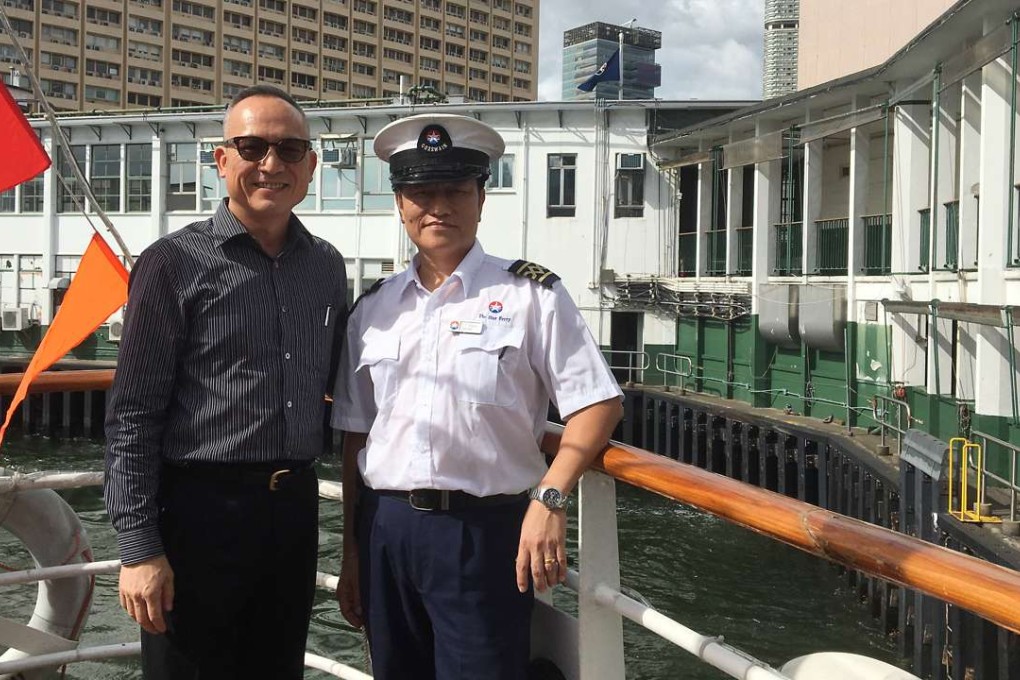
[276,265]
[287,355]
[289,403]
[283,309]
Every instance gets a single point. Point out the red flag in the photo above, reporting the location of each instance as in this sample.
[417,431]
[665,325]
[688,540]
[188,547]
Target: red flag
[24,156]
[96,291]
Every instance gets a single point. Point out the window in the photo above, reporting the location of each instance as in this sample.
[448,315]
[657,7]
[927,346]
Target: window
[148,52]
[101,43]
[303,35]
[363,69]
[149,101]
[7,201]
[181,188]
[271,51]
[362,91]
[214,187]
[377,193]
[562,169]
[145,25]
[187,34]
[139,177]
[103,17]
[339,184]
[302,57]
[430,24]
[59,62]
[364,27]
[428,64]
[331,20]
[32,195]
[306,13]
[364,6]
[104,176]
[363,49]
[334,42]
[66,202]
[238,69]
[237,20]
[430,44]
[303,80]
[194,9]
[630,185]
[144,76]
[269,73]
[333,64]
[61,36]
[501,173]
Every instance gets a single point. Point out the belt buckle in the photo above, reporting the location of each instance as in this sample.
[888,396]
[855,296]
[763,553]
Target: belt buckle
[274,479]
[428,500]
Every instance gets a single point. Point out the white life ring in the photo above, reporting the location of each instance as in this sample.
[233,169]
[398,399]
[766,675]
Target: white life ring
[53,534]
[842,666]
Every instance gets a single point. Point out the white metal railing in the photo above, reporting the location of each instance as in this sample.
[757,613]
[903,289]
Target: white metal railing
[634,362]
[599,643]
[1010,483]
[903,417]
[675,364]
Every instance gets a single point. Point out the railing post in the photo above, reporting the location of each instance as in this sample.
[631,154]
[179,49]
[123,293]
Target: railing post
[600,644]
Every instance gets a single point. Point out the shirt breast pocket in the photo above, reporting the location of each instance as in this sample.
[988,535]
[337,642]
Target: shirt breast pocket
[485,362]
[380,358]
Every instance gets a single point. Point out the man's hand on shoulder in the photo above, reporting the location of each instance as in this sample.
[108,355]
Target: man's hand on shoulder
[147,591]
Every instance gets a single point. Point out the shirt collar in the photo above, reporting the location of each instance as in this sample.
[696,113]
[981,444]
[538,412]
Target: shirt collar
[465,271]
[225,226]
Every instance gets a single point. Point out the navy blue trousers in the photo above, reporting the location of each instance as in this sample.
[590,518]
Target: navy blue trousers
[244,561]
[439,591]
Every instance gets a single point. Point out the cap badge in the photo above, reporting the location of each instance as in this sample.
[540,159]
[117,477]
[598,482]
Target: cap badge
[434,138]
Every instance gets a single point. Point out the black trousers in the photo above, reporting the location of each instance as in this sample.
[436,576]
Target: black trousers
[439,591]
[244,560]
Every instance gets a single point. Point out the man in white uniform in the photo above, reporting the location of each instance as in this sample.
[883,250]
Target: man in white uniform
[450,512]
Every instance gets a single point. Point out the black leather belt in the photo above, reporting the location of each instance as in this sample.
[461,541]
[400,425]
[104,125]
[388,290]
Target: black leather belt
[430,500]
[267,475]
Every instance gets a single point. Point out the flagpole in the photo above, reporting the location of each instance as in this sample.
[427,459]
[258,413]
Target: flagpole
[58,135]
[619,63]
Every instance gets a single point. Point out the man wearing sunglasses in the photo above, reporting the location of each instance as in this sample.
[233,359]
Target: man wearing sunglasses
[216,414]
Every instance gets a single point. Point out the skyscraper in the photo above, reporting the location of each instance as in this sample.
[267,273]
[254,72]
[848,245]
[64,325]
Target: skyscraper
[587,47]
[782,22]
[118,54]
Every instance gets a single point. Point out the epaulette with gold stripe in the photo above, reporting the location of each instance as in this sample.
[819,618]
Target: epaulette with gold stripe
[535,272]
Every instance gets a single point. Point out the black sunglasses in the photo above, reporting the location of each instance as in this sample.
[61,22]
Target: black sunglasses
[255,149]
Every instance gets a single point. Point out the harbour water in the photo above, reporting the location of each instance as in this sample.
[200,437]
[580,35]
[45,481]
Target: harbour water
[763,597]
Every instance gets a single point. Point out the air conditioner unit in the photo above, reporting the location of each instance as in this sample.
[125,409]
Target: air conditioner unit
[115,331]
[15,319]
[630,161]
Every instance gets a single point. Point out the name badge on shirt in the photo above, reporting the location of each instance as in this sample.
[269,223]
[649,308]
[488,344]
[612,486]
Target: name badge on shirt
[469,327]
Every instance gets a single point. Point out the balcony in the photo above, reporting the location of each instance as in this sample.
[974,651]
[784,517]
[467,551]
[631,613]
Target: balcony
[877,244]
[832,238]
[789,249]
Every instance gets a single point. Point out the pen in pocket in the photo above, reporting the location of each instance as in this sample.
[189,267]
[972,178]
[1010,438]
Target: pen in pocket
[329,310]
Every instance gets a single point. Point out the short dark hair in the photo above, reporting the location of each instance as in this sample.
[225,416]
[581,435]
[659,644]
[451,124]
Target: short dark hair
[264,91]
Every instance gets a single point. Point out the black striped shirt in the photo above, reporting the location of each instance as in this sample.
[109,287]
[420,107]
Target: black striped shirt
[225,358]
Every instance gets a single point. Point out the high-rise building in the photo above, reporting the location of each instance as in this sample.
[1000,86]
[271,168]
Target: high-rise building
[123,54]
[839,38]
[782,21]
[587,47]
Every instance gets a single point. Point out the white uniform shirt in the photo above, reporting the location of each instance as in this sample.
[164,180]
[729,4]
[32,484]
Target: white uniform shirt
[453,386]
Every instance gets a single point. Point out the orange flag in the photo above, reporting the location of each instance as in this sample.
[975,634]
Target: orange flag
[24,155]
[96,291]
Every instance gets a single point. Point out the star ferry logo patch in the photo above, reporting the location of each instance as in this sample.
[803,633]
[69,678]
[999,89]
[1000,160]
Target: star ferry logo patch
[434,138]
[455,326]
[495,307]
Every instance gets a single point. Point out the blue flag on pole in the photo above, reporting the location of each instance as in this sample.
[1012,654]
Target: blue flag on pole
[608,71]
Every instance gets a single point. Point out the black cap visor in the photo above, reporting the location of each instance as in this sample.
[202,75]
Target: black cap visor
[414,166]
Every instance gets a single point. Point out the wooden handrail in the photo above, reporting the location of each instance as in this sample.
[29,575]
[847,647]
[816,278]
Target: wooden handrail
[59,381]
[990,591]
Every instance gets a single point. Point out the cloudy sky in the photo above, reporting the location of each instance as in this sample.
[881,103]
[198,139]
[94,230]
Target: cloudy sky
[711,49]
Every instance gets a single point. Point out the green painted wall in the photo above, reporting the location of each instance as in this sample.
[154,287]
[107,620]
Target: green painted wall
[654,376]
[20,345]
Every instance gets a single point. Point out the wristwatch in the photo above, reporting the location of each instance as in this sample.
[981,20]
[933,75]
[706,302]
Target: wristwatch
[549,496]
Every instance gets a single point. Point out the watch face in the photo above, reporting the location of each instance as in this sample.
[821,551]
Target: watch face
[552,498]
